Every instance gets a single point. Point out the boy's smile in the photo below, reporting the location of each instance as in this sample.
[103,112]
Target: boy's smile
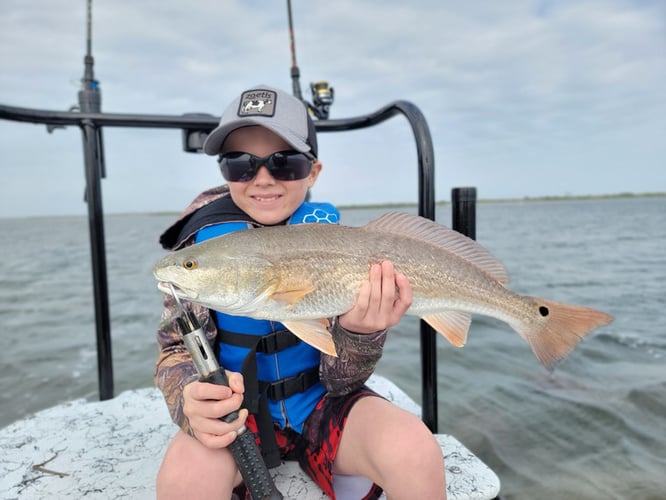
[265,199]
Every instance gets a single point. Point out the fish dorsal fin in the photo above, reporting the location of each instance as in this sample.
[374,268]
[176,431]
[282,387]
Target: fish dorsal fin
[422,229]
[314,332]
[453,325]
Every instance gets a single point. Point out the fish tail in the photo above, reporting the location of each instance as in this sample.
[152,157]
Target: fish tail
[561,327]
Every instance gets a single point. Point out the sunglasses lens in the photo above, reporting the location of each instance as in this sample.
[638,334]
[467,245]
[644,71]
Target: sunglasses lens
[238,167]
[289,166]
[283,166]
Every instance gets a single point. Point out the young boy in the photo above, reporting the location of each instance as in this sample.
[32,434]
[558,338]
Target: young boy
[305,405]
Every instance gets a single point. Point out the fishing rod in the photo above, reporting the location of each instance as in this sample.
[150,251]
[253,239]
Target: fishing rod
[322,93]
[90,95]
[295,72]
[244,448]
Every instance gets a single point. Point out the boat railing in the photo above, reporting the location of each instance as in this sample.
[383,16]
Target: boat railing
[195,127]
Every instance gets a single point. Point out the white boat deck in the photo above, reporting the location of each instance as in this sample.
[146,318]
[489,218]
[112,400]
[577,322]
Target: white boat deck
[112,450]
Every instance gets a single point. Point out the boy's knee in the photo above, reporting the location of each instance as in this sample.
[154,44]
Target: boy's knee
[418,447]
[414,467]
[186,465]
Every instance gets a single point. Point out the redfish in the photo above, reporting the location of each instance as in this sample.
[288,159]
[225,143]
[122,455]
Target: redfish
[302,274]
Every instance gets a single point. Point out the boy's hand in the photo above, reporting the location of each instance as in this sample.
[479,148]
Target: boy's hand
[381,302]
[205,403]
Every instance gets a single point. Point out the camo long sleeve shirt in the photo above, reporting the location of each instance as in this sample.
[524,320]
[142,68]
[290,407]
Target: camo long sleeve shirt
[357,354]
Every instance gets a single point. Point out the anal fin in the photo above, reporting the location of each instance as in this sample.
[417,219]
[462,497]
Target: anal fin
[453,325]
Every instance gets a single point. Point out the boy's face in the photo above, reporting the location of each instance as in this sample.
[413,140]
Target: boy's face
[265,199]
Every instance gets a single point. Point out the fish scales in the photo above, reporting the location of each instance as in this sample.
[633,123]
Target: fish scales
[436,275]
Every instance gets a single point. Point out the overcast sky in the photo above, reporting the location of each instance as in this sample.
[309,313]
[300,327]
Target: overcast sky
[523,98]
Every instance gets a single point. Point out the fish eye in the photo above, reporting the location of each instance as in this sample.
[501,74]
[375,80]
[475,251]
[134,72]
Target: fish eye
[190,264]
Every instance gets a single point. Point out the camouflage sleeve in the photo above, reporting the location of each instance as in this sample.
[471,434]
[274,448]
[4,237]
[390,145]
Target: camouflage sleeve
[357,357]
[174,368]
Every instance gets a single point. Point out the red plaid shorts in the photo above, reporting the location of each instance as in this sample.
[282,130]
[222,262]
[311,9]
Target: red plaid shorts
[315,449]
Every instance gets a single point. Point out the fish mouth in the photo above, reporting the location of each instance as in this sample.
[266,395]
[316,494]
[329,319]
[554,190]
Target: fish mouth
[171,288]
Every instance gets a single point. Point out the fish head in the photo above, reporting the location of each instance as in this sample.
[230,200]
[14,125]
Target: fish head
[210,276]
[191,278]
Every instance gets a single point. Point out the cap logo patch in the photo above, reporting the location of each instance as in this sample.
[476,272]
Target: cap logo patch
[257,103]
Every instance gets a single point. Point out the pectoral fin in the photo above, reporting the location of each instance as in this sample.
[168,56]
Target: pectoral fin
[453,325]
[290,296]
[314,332]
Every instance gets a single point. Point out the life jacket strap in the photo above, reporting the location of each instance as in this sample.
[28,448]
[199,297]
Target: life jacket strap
[257,392]
[278,390]
[268,344]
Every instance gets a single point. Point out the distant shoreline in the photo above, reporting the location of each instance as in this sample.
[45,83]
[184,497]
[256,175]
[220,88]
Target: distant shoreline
[528,199]
[402,205]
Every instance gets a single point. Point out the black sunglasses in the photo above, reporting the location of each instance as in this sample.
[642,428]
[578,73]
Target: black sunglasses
[283,165]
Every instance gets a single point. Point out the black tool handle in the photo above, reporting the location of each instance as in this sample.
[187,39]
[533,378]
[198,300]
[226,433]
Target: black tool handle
[253,469]
[218,377]
[246,453]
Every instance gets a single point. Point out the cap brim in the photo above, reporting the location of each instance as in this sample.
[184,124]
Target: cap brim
[213,143]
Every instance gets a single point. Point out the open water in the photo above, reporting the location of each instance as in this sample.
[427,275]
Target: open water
[594,428]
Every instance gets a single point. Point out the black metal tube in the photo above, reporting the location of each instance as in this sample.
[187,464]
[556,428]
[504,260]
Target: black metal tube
[426,188]
[426,197]
[98,255]
[90,101]
[130,120]
[198,121]
[463,210]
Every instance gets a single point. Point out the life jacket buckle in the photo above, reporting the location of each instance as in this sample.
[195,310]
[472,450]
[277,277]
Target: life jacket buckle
[287,387]
[277,341]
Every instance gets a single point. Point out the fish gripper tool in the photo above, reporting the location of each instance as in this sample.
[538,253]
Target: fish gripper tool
[244,449]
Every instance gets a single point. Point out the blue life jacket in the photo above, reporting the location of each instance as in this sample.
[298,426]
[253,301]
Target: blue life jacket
[286,368]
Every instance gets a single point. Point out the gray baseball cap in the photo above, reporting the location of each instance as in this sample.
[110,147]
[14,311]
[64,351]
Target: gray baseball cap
[271,108]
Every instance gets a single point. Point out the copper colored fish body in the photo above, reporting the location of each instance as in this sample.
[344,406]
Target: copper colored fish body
[302,274]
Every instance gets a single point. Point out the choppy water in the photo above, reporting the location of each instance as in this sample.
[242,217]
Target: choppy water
[594,428]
